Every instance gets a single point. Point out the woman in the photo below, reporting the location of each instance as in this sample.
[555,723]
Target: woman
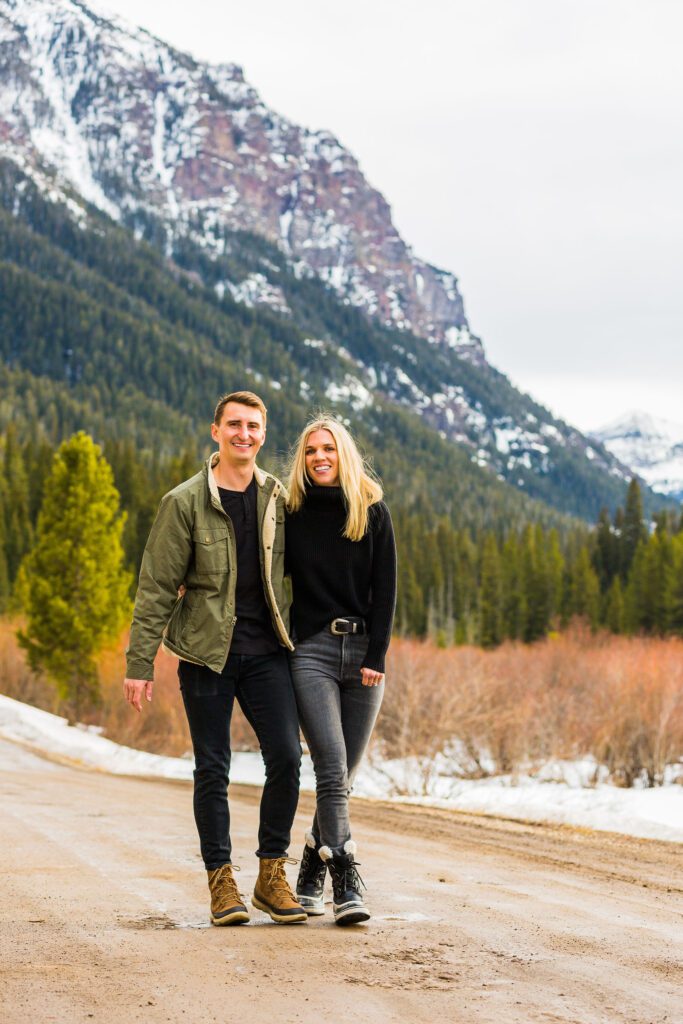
[342,559]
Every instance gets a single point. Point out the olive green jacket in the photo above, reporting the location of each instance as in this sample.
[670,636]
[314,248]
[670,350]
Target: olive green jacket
[192,544]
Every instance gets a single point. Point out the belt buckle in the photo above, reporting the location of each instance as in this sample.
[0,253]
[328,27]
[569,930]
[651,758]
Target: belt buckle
[334,629]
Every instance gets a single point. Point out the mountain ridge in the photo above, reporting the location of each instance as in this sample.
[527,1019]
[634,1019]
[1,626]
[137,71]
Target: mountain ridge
[194,144]
[368,363]
[651,446]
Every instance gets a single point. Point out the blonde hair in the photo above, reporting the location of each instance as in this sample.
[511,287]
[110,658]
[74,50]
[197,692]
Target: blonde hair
[359,485]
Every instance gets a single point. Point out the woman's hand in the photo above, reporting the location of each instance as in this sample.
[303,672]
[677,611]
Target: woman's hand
[371,678]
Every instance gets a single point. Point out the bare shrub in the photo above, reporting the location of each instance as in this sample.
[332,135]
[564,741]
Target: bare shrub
[617,699]
[162,727]
[17,680]
[636,724]
[578,694]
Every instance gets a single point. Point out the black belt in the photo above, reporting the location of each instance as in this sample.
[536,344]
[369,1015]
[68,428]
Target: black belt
[345,627]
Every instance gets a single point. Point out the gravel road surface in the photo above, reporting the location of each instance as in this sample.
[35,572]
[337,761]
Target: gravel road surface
[104,916]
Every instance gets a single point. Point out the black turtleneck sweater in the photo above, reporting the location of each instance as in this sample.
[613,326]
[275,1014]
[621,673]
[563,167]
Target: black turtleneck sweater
[333,577]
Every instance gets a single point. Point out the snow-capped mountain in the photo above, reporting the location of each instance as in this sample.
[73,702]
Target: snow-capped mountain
[651,447]
[185,154]
[137,127]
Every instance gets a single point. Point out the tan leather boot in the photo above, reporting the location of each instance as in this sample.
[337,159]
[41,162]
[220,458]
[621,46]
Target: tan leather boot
[273,894]
[226,902]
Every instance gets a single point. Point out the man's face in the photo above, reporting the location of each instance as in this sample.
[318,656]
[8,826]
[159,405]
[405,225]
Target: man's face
[240,433]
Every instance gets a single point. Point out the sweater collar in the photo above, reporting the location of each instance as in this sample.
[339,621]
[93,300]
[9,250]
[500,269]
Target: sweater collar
[324,495]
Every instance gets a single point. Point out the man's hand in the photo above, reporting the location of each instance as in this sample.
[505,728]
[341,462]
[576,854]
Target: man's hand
[370,677]
[133,690]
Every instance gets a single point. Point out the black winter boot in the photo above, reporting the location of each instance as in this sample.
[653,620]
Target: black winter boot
[346,884]
[311,881]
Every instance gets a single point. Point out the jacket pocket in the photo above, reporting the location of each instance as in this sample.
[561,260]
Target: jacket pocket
[210,550]
[181,616]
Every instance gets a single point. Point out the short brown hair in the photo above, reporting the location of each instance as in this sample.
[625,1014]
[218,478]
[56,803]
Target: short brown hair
[242,398]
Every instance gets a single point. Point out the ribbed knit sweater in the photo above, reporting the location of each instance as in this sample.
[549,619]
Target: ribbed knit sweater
[333,577]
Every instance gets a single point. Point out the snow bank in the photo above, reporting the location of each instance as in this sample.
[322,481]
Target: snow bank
[647,813]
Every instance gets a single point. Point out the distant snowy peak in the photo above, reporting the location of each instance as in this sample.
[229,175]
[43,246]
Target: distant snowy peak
[642,425]
[651,447]
[138,128]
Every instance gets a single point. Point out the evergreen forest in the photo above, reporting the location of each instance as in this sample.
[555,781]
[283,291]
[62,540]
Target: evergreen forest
[456,585]
[104,331]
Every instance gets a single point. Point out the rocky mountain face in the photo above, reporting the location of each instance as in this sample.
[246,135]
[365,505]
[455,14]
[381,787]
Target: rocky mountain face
[138,128]
[651,447]
[269,215]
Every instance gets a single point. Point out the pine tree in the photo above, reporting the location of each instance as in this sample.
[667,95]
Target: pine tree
[465,590]
[634,529]
[677,610]
[514,605]
[614,607]
[4,574]
[72,583]
[409,603]
[18,531]
[606,552]
[665,603]
[651,591]
[555,575]
[583,594]
[491,595]
[536,584]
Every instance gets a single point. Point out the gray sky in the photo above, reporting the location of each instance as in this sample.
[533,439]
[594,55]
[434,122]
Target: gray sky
[532,147]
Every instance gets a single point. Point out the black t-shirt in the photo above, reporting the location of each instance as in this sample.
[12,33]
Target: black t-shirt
[253,633]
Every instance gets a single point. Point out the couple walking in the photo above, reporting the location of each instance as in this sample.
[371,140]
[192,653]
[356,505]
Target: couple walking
[227,539]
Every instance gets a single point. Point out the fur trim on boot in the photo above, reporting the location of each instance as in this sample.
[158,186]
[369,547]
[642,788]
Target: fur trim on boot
[310,884]
[349,907]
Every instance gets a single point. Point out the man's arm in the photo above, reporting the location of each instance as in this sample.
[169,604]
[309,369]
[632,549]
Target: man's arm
[164,565]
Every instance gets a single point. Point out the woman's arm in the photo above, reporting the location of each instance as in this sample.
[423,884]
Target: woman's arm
[383,586]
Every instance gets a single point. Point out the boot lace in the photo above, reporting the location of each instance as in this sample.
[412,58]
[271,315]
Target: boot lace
[226,886]
[346,877]
[312,870]
[276,878]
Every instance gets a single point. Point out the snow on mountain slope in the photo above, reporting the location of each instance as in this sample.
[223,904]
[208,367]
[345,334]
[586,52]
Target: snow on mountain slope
[137,127]
[651,447]
[181,152]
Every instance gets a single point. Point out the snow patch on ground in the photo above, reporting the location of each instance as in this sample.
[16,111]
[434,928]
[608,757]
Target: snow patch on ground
[562,792]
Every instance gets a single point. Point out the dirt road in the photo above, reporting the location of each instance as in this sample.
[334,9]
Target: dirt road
[103,906]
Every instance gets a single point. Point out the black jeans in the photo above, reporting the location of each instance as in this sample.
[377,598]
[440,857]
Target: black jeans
[263,688]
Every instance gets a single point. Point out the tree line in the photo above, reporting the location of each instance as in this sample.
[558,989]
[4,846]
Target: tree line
[100,331]
[624,575]
[456,585]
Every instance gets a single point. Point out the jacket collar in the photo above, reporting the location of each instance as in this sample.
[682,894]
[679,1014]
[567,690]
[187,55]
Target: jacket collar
[259,475]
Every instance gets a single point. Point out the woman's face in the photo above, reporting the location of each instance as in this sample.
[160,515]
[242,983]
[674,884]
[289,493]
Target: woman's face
[322,459]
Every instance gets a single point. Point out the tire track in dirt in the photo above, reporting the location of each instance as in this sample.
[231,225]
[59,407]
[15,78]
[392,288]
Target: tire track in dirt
[103,916]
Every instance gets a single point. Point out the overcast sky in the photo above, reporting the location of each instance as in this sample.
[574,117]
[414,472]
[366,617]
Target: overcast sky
[533,147]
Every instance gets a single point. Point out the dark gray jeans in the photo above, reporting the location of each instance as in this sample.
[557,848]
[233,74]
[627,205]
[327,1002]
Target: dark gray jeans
[337,715]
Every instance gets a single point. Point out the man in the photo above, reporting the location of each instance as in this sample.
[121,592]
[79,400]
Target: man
[219,539]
